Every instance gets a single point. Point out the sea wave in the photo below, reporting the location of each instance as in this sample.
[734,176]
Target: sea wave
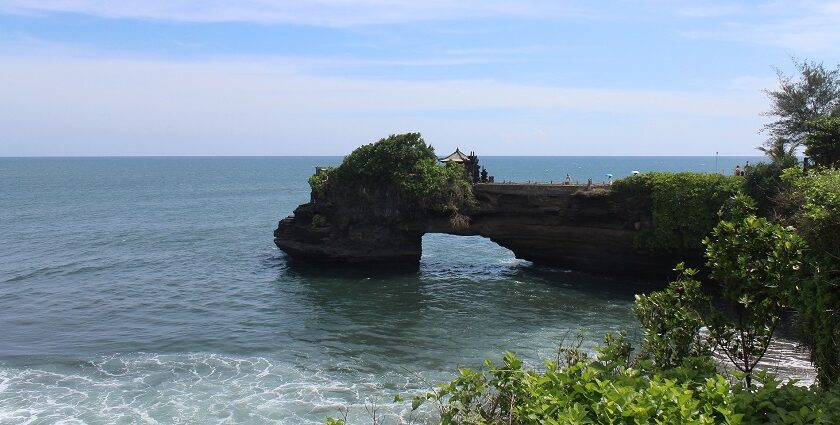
[192,388]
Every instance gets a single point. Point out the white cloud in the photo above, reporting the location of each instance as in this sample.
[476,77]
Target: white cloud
[802,25]
[149,107]
[710,10]
[309,12]
[752,83]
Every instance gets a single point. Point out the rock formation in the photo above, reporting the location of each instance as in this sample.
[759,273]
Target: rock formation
[567,226]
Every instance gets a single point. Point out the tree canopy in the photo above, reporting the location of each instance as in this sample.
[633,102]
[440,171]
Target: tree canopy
[822,142]
[812,92]
[403,163]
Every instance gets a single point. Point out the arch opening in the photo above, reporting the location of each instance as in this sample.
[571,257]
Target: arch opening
[461,256]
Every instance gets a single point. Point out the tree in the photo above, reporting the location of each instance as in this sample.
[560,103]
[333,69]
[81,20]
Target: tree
[822,143]
[779,151]
[402,164]
[757,264]
[812,92]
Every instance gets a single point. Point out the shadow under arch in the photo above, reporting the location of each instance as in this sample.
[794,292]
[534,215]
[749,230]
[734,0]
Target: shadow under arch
[478,258]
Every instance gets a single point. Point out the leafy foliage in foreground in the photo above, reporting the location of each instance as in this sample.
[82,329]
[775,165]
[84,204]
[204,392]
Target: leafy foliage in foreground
[404,163]
[609,390]
[684,206]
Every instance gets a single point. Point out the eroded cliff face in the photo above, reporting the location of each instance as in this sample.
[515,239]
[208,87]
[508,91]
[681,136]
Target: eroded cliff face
[563,226]
[365,226]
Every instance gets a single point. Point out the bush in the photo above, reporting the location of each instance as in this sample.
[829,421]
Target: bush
[403,163]
[318,182]
[592,392]
[764,182]
[671,322]
[815,198]
[684,206]
[757,265]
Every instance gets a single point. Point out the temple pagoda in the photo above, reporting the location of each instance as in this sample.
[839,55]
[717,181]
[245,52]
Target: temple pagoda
[470,163]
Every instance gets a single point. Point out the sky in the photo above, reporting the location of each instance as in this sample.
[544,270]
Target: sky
[321,77]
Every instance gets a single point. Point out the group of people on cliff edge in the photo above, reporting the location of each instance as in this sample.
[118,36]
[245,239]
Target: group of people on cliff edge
[742,171]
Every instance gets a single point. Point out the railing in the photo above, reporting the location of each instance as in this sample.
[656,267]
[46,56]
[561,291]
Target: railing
[535,188]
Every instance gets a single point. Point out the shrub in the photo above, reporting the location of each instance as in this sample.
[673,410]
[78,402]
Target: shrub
[318,182]
[671,322]
[815,200]
[591,392]
[683,206]
[403,163]
[764,182]
[757,265]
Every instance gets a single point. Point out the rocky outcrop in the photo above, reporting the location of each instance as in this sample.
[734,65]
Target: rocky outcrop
[366,226]
[566,226]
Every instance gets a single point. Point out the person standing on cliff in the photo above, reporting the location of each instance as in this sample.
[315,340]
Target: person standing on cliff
[568,180]
[589,184]
[738,170]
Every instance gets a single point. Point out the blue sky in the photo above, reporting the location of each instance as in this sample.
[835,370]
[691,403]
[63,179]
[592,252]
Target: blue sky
[533,77]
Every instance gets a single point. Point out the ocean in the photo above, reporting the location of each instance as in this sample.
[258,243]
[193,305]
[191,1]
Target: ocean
[149,290]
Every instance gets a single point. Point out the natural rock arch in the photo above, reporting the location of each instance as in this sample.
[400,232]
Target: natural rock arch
[567,226]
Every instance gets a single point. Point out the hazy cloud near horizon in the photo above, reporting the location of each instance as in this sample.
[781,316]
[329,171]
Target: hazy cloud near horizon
[266,78]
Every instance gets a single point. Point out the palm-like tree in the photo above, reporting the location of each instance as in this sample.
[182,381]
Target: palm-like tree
[779,149]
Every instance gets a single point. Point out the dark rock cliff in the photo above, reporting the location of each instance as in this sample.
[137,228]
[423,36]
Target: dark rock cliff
[565,226]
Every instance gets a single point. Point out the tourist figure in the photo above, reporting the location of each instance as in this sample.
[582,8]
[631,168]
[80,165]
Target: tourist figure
[589,184]
[609,180]
[568,180]
[746,169]
[738,170]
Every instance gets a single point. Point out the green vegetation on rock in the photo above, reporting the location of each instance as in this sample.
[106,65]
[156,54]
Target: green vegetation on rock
[403,163]
[684,206]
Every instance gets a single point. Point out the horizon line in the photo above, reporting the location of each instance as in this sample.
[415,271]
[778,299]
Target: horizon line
[334,156]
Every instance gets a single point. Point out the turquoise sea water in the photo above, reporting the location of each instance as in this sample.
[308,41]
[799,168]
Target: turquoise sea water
[148,290]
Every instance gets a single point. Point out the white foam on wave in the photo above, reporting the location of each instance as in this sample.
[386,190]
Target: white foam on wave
[192,388]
